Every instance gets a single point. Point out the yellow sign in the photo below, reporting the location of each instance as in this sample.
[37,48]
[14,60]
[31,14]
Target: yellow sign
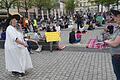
[52,36]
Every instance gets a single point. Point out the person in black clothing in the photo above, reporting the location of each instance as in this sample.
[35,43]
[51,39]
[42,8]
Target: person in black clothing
[3,35]
[54,29]
[48,29]
[110,29]
[79,20]
[72,38]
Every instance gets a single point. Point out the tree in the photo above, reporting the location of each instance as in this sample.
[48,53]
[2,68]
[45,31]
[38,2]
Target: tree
[39,4]
[70,6]
[109,2]
[50,4]
[103,3]
[26,4]
[45,4]
[7,4]
[117,3]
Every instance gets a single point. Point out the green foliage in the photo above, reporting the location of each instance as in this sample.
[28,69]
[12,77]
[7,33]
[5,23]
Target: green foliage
[103,2]
[7,3]
[38,3]
[26,4]
[46,4]
[70,5]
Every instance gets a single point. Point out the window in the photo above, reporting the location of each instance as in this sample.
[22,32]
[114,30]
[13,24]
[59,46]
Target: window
[80,4]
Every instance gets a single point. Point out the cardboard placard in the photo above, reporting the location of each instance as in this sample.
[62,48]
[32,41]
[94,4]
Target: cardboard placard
[52,36]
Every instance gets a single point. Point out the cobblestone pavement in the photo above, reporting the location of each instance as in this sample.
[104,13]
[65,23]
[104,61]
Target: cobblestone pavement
[65,65]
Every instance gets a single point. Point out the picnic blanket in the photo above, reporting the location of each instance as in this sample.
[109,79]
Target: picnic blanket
[93,43]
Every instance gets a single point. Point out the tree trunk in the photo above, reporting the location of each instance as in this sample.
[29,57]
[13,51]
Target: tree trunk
[117,4]
[26,13]
[40,13]
[98,7]
[18,7]
[8,12]
[49,13]
[108,7]
[101,7]
[26,8]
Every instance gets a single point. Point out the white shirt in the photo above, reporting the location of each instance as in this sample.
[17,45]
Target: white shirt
[17,57]
[36,37]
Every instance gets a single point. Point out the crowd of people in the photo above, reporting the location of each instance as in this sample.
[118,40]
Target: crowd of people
[18,41]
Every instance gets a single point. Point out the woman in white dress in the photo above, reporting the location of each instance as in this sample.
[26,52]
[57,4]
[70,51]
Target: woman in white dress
[17,57]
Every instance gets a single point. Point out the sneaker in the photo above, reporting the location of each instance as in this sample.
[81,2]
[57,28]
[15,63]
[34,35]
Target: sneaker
[31,52]
[15,73]
[21,75]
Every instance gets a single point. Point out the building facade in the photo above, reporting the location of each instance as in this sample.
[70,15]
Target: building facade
[85,5]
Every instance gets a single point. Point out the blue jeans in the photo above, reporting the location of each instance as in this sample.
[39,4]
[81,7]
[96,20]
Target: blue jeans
[116,65]
[77,41]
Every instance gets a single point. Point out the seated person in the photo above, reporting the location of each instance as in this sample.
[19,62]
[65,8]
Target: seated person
[46,45]
[91,27]
[32,44]
[110,28]
[72,38]
[37,36]
[103,36]
[78,36]
[3,35]
[106,35]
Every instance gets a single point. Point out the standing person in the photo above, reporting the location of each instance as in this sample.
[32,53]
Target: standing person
[78,20]
[17,57]
[114,42]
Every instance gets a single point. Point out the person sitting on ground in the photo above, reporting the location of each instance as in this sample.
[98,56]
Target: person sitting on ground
[3,35]
[106,34]
[78,36]
[36,37]
[91,27]
[110,28]
[54,29]
[31,44]
[59,47]
[58,27]
[72,37]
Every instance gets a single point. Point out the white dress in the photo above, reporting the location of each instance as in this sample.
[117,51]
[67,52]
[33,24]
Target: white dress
[17,57]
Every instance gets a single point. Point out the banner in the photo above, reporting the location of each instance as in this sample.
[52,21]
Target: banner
[52,36]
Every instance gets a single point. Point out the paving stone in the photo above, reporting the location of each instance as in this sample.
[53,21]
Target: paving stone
[66,65]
